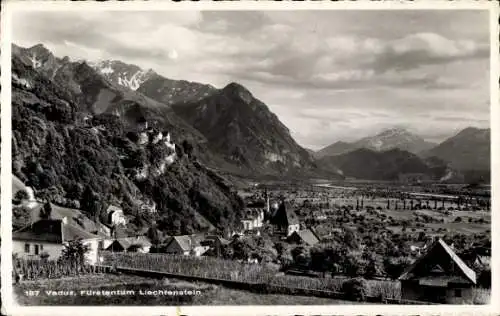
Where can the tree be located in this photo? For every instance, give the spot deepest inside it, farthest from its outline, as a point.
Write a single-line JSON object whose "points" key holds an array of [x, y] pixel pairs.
{"points": [[21, 195], [373, 268], [280, 248], [90, 203], [318, 260], [187, 147], [75, 251], [301, 256], [354, 265], [46, 211], [153, 235], [241, 249], [355, 289], [350, 239], [394, 267], [421, 236]]}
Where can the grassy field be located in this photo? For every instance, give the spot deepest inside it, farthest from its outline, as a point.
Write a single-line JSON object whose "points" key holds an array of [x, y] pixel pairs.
{"points": [[209, 294], [464, 226]]}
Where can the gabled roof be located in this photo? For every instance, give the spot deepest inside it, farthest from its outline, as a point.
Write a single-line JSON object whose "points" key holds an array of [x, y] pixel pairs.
{"points": [[307, 236], [139, 240], [43, 230], [463, 268], [73, 232], [284, 215], [127, 242], [52, 231], [186, 242], [124, 244], [222, 240], [74, 216]]}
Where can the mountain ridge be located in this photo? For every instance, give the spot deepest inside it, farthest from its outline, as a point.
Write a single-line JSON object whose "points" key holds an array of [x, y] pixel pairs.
{"points": [[386, 139], [63, 148], [469, 149], [390, 165]]}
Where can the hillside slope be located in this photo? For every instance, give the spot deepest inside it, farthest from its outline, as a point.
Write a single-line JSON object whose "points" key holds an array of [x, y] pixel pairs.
{"points": [[72, 151], [243, 130], [467, 150], [368, 164]]}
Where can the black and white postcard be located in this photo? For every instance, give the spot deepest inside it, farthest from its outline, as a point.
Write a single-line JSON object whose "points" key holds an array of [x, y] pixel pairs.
{"points": [[249, 158]]}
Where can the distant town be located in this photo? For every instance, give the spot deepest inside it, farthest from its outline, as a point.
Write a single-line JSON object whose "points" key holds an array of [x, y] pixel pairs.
{"points": [[412, 241]]}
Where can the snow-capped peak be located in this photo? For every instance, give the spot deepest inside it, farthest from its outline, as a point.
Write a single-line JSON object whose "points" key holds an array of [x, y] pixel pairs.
{"points": [[130, 76]]}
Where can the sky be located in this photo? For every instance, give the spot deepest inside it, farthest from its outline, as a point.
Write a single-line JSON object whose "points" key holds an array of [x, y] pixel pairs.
{"points": [[328, 75]]}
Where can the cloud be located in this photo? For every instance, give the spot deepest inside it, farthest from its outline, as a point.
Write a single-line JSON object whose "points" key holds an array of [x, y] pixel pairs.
{"points": [[328, 75], [420, 49]]}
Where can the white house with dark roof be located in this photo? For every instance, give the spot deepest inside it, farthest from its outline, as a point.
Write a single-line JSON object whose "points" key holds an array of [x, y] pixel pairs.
{"points": [[49, 236]]}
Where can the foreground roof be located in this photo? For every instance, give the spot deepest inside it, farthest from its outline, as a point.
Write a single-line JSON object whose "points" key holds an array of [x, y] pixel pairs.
{"points": [[52, 231], [439, 248]]}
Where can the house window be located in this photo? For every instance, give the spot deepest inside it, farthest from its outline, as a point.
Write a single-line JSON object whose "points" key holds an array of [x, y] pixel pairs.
{"points": [[458, 292], [37, 249], [41, 247], [27, 248]]}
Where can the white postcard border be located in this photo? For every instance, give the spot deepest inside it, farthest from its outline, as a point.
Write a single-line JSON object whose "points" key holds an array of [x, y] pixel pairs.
{"points": [[9, 306]]}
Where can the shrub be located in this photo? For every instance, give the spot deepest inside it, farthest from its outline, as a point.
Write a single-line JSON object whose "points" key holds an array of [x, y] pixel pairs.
{"points": [[21, 195], [75, 250], [481, 296], [355, 289]]}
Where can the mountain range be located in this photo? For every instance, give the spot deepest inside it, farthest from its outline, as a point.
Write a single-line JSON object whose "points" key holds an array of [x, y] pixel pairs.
{"points": [[234, 132], [364, 163], [81, 141], [385, 140]]}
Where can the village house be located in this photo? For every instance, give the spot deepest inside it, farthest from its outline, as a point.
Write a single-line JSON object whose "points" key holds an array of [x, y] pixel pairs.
{"points": [[303, 237], [418, 247], [319, 215], [128, 244], [148, 206], [439, 276], [284, 219], [48, 237], [186, 245], [115, 216], [72, 216], [253, 218]]}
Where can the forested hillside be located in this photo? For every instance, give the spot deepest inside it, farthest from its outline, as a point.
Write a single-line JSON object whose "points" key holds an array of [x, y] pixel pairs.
{"points": [[78, 157]]}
